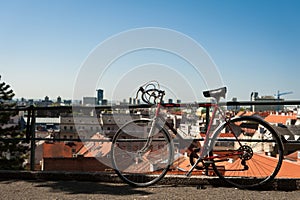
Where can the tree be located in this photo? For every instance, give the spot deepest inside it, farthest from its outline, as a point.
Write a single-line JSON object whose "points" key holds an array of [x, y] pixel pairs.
{"points": [[12, 150]]}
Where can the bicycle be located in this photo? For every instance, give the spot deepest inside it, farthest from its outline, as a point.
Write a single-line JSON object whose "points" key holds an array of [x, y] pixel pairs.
{"points": [[244, 151]]}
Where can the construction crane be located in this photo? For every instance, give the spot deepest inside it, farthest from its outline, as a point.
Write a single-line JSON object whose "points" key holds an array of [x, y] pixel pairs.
{"points": [[281, 94]]}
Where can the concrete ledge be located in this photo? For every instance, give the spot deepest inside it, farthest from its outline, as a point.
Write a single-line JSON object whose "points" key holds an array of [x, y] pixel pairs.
{"points": [[286, 184], [59, 175]]}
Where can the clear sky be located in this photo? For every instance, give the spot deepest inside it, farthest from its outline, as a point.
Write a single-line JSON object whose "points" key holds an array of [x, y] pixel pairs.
{"points": [[255, 44]]}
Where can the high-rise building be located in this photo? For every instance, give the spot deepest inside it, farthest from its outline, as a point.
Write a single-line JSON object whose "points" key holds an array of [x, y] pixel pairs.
{"points": [[100, 97]]}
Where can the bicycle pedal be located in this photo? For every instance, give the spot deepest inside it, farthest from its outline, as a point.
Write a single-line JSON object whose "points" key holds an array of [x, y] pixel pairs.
{"points": [[181, 169], [222, 160], [208, 162]]}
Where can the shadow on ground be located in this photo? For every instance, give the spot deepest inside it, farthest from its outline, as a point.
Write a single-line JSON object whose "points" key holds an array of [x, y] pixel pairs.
{"points": [[74, 187], [276, 185], [79, 187]]}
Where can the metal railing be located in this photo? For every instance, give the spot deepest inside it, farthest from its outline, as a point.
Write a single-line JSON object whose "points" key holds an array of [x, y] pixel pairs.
{"points": [[31, 114]]}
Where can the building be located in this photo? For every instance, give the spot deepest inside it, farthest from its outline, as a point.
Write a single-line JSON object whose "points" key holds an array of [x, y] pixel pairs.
{"points": [[111, 122], [58, 101], [89, 101], [100, 97], [48, 124], [262, 108], [78, 127], [63, 156], [235, 108]]}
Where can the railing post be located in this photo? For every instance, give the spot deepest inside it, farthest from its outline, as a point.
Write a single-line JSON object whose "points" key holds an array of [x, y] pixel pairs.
{"points": [[28, 127], [32, 140]]}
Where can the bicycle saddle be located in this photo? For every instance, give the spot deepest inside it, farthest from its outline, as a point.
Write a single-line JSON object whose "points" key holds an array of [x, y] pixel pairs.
{"points": [[216, 93]]}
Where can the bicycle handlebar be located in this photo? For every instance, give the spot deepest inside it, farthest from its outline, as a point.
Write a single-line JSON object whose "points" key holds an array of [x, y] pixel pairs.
{"points": [[151, 94]]}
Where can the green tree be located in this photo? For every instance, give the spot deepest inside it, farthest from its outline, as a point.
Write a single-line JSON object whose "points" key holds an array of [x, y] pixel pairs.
{"points": [[12, 151]]}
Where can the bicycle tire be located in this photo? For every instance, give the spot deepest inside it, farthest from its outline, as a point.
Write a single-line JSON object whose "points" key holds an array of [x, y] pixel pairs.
{"points": [[149, 168], [260, 152]]}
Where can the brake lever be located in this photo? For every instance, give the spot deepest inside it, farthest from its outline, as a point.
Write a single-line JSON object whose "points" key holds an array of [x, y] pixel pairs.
{"points": [[141, 89]]}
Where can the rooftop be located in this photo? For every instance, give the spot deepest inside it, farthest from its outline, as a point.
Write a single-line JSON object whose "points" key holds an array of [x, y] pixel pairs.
{"points": [[280, 119]]}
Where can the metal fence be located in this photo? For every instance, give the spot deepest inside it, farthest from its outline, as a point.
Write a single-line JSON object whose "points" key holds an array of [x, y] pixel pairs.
{"points": [[31, 114]]}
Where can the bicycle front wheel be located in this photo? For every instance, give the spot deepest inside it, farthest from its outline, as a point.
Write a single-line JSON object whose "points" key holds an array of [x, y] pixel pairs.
{"points": [[138, 158], [248, 152]]}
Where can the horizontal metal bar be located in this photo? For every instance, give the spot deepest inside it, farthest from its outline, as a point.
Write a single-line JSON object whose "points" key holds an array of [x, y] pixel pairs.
{"points": [[244, 140], [12, 139], [167, 105], [234, 140], [249, 103], [57, 140], [141, 140]]}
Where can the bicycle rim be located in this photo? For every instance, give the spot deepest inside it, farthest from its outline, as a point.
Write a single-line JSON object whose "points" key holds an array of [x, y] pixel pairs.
{"points": [[137, 163], [251, 160]]}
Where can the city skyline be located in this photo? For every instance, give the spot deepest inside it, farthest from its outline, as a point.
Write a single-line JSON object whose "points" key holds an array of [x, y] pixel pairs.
{"points": [[255, 45]]}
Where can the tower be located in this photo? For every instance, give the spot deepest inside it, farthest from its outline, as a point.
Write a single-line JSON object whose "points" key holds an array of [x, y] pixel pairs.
{"points": [[99, 96]]}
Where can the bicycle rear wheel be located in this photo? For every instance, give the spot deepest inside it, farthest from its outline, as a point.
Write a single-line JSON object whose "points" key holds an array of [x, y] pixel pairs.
{"points": [[252, 158], [138, 159]]}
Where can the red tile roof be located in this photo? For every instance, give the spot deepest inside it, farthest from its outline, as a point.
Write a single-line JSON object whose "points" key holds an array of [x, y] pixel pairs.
{"points": [[293, 157], [279, 118], [245, 113], [61, 149], [94, 149], [289, 169]]}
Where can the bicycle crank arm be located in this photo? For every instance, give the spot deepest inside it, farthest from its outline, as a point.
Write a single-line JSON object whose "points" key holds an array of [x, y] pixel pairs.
{"points": [[189, 173]]}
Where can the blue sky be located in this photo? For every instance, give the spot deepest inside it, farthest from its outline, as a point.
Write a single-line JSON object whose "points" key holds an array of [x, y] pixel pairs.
{"points": [[255, 44]]}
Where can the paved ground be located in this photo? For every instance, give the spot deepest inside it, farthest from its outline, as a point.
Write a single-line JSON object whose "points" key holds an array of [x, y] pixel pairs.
{"points": [[38, 189]]}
